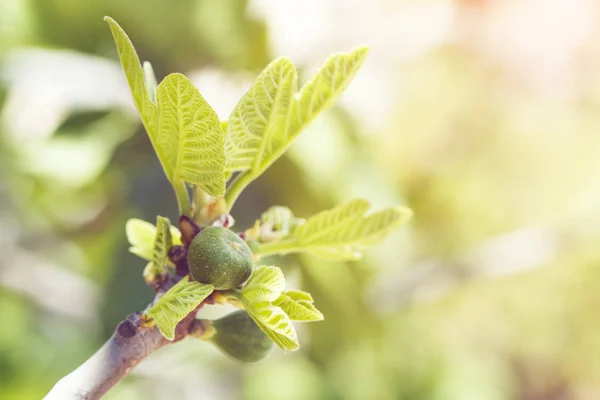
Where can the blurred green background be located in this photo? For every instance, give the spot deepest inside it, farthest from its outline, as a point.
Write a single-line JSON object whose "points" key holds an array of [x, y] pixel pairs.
{"points": [[482, 116]]}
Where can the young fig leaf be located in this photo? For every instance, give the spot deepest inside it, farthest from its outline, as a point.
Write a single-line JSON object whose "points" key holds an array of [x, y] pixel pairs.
{"points": [[137, 82], [340, 233], [150, 81], [162, 243], [177, 303], [323, 90], [190, 136], [141, 236], [271, 114], [298, 305], [265, 285], [274, 322], [257, 124]]}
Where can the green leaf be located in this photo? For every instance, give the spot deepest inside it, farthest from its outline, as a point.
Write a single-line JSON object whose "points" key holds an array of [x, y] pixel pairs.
{"points": [[341, 232], [177, 303], [135, 78], [265, 285], [162, 243], [190, 136], [298, 305], [299, 295], [140, 82], [257, 124], [272, 310], [270, 115], [141, 236], [150, 81], [323, 90], [274, 322]]}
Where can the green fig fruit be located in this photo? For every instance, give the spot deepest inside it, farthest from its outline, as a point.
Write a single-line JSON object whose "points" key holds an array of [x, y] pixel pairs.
{"points": [[239, 336], [220, 257]]}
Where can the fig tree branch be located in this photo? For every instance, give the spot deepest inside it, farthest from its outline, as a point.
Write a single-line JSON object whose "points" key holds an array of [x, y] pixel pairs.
{"points": [[132, 342]]}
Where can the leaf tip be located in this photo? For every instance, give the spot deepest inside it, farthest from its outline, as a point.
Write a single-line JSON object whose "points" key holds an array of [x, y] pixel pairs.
{"points": [[293, 349], [177, 75], [405, 213], [111, 22], [173, 78], [130, 224], [283, 60], [170, 336], [283, 64], [133, 225], [362, 50]]}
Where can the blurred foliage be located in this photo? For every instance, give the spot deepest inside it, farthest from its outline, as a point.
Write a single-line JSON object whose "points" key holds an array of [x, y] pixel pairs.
{"points": [[490, 294]]}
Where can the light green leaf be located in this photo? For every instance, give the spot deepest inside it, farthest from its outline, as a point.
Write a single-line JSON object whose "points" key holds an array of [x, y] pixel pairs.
{"points": [[322, 91], [141, 235], [162, 243], [265, 285], [299, 295], [190, 136], [271, 114], [272, 310], [177, 303], [274, 322], [298, 305], [150, 81], [139, 83], [258, 122], [341, 232], [135, 78]]}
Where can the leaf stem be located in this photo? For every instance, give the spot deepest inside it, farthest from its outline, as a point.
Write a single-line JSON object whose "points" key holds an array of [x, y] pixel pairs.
{"points": [[233, 297], [283, 247], [200, 199], [183, 198], [237, 187]]}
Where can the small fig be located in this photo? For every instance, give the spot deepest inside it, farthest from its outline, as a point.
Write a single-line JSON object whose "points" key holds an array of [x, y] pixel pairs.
{"points": [[239, 336], [220, 257]]}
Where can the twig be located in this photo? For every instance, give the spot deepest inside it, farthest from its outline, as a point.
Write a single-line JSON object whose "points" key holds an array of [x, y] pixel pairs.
{"points": [[132, 341]]}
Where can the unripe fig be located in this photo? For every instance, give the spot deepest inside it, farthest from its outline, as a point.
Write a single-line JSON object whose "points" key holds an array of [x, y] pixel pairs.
{"points": [[239, 336], [220, 257]]}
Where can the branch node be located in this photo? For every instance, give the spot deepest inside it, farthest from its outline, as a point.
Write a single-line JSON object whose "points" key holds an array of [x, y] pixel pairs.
{"points": [[126, 329]]}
